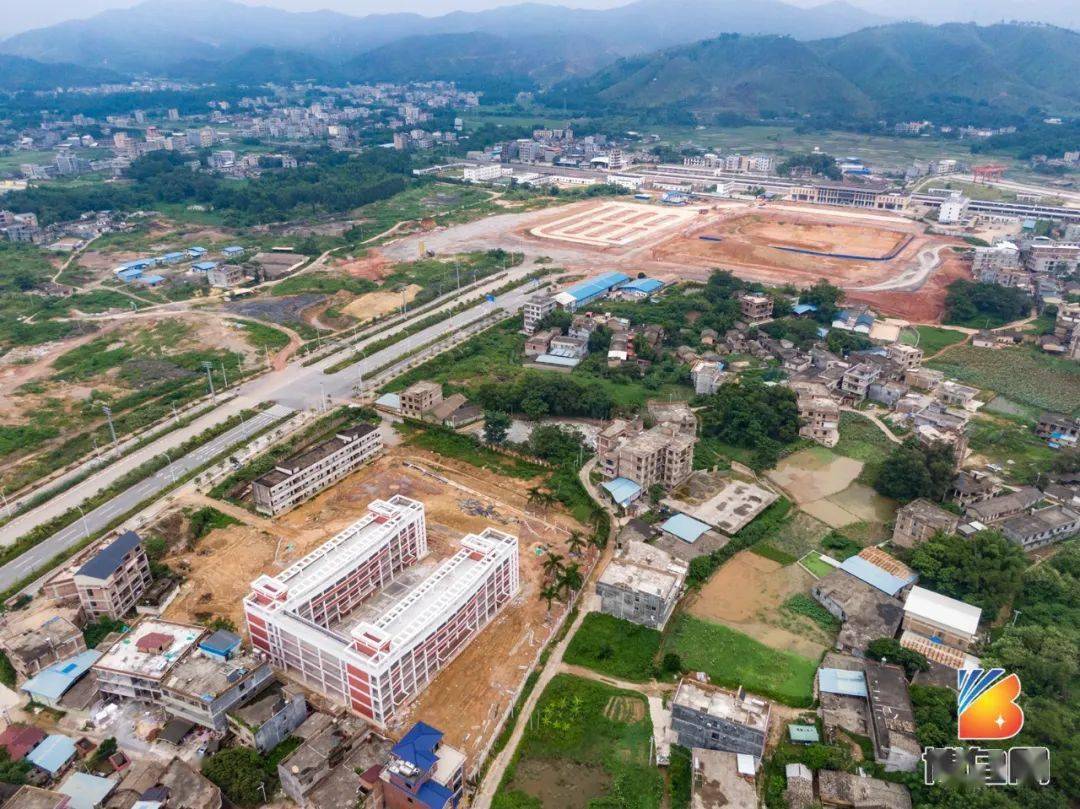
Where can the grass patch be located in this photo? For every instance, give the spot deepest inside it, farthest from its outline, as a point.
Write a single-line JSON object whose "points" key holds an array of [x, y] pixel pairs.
{"points": [[816, 565], [863, 440], [259, 335], [680, 777], [464, 448], [614, 647], [584, 734], [802, 604], [324, 283], [1013, 445], [1022, 373], [769, 552], [732, 659]]}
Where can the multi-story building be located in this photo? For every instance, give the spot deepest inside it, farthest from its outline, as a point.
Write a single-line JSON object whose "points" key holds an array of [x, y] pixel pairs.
{"points": [[337, 765], [1044, 255], [111, 582], [311, 621], [299, 477], [1041, 527], [642, 584], [907, 357], [536, 308], [953, 208], [707, 377], [852, 196], [1058, 428], [858, 379], [995, 509], [999, 264], [32, 649], [919, 520], [181, 668], [420, 397], [661, 455], [485, 173], [715, 719], [754, 307], [224, 276], [819, 413], [422, 771], [270, 718]]}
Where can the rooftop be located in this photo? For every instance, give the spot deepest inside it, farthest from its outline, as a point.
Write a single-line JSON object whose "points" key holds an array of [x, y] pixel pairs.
{"points": [[843, 682], [876, 575], [622, 490], [685, 528], [312, 455], [86, 791], [53, 753], [52, 681], [929, 513], [643, 568], [750, 711], [108, 559], [207, 677], [124, 656], [870, 613], [596, 285], [19, 740], [942, 610]]}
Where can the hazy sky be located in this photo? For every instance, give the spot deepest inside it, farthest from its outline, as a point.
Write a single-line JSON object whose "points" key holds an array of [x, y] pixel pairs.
{"points": [[20, 16]]}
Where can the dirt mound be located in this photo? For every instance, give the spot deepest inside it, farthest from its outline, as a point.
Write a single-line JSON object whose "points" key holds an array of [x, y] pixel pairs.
{"points": [[374, 266]]}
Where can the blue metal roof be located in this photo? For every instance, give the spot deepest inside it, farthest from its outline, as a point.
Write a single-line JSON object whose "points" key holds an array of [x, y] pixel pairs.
{"points": [[435, 795], [86, 791], [221, 642], [204, 266], [53, 681], [555, 359], [129, 275], [196, 251], [418, 746], [109, 558], [169, 256], [843, 682], [803, 733], [645, 285], [53, 753], [874, 576], [685, 528], [622, 490], [232, 250], [152, 280], [803, 308], [595, 286]]}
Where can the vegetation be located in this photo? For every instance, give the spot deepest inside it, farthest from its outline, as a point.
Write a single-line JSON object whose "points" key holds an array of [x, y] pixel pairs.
{"points": [[1022, 374], [912, 471], [986, 570], [979, 305], [7, 671], [13, 772], [931, 339], [732, 659], [586, 731], [96, 631], [890, 650], [615, 647], [243, 774], [755, 416], [765, 524], [864, 441], [817, 163], [802, 604]]}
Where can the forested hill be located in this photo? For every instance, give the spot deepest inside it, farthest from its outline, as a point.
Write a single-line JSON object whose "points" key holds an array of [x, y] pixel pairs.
{"points": [[959, 72]]}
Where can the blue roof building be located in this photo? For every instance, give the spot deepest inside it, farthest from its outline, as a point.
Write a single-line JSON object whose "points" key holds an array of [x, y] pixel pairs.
{"points": [[590, 289], [50, 684], [195, 252], [53, 754], [842, 682], [803, 734], [641, 287], [233, 250], [875, 576], [171, 258], [129, 275], [86, 791], [800, 309], [424, 771], [204, 266], [622, 490], [685, 528], [220, 645], [152, 280]]}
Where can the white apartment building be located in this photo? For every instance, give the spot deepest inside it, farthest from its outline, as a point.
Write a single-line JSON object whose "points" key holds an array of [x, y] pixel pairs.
{"points": [[485, 173], [952, 210], [320, 620], [536, 308]]}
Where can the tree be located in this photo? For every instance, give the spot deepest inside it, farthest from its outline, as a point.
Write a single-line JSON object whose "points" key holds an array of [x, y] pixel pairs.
{"points": [[913, 470], [671, 664], [986, 570], [241, 774], [496, 426], [974, 301], [890, 650], [553, 565], [571, 580], [826, 297], [13, 772], [574, 543], [534, 407], [549, 594]]}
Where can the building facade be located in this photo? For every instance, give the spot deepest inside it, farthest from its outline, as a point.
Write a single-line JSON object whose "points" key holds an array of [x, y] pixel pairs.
{"points": [[919, 520], [642, 585], [111, 582], [715, 719], [420, 397], [535, 309]]}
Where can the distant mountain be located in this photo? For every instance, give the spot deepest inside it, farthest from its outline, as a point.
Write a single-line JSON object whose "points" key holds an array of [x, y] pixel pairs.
{"points": [[18, 73], [1064, 13], [258, 66], [160, 33], [900, 70]]}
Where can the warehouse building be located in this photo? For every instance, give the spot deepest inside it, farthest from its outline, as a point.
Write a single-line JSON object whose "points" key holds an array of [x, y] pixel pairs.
{"points": [[590, 290], [305, 474], [940, 618], [313, 623]]}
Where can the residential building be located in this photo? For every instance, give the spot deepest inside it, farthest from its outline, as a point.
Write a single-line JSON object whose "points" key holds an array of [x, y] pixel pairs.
{"points": [[661, 455], [755, 308], [32, 649], [1041, 527], [849, 791], [174, 784], [1003, 506], [537, 344], [309, 622], [270, 718], [715, 719], [867, 613], [819, 414], [907, 357], [111, 582], [953, 209], [420, 397], [567, 346], [707, 377], [641, 584], [858, 379], [919, 520], [299, 477], [971, 486], [954, 394], [224, 276], [1044, 255], [940, 618], [51, 684], [720, 779], [1058, 429], [892, 718], [19, 740], [484, 174], [999, 264], [31, 797], [537, 306], [421, 770]]}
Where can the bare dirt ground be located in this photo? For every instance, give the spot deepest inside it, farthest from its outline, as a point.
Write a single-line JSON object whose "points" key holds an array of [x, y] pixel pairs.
{"points": [[374, 304], [746, 593], [824, 485], [613, 224], [374, 266], [469, 695]]}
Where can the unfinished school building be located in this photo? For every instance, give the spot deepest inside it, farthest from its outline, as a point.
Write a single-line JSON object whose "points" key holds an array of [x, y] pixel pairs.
{"points": [[313, 620]]}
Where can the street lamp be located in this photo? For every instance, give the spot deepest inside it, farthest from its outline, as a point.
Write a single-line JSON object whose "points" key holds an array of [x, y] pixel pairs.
{"points": [[108, 414], [172, 472], [209, 378], [85, 526]]}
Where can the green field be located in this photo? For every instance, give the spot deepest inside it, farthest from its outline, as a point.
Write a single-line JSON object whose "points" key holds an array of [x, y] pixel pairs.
{"points": [[1022, 374], [732, 659], [585, 742], [614, 647], [863, 440], [813, 563], [931, 339], [1013, 445]]}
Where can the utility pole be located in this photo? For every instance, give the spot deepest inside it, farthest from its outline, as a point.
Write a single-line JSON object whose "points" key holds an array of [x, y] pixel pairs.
{"points": [[209, 378], [85, 526], [108, 414], [176, 418], [225, 378], [172, 472]]}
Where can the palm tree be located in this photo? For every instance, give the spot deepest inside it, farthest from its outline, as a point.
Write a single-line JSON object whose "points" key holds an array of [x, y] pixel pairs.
{"points": [[540, 497], [553, 565], [574, 543], [549, 594], [571, 579]]}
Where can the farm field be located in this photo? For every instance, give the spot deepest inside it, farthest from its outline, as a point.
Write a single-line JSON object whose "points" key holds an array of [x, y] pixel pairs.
{"points": [[932, 339], [733, 659], [1013, 445], [614, 647], [1022, 374], [586, 741]]}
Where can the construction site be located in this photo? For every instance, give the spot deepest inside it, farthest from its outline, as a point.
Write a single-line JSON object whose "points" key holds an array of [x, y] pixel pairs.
{"points": [[614, 224], [467, 697]]}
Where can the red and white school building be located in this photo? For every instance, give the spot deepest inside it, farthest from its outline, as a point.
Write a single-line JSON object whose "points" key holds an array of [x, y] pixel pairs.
{"points": [[351, 621]]}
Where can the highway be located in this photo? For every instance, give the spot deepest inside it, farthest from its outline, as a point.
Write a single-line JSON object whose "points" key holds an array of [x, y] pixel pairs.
{"points": [[100, 517]]}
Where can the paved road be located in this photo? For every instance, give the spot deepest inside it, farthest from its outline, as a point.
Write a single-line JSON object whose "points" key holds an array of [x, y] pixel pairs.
{"points": [[106, 513]]}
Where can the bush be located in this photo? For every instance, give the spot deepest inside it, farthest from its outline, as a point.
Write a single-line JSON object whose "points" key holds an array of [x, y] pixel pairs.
{"points": [[890, 650]]}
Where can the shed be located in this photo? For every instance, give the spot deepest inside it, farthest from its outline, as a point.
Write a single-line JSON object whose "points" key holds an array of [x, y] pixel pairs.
{"points": [[685, 528], [943, 611], [622, 490], [175, 730], [643, 286], [867, 571], [843, 682], [803, 734], [204, 266], [86, 791], [220, 645], [389, 401], [53, 754], [52, 682], [232, 250], [19, 740], [196, 251], [152, 280]]}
